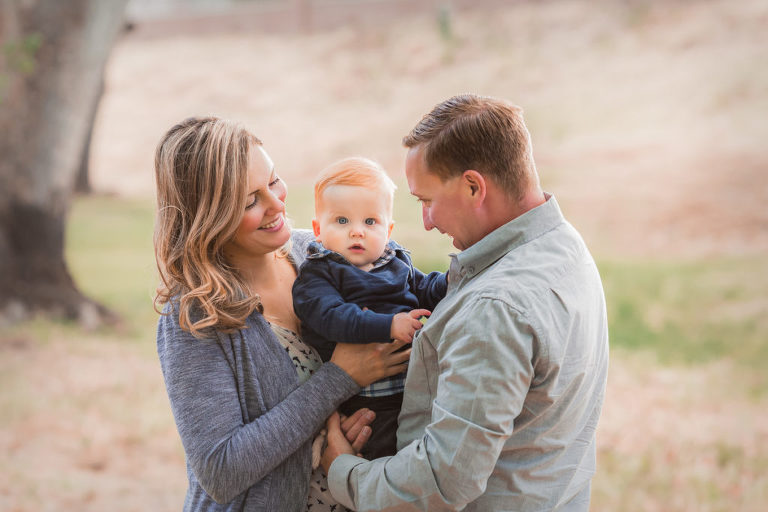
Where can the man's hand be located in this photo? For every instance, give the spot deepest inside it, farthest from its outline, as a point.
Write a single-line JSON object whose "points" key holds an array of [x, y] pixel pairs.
{"points": [[337, 442], [405, 325]]}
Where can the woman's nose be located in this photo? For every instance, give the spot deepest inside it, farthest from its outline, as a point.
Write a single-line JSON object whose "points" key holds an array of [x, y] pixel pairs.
{"points": [[277, 201]]}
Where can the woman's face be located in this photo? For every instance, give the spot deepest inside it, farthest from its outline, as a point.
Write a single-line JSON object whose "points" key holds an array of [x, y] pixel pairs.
{"points": [[263, 228]]}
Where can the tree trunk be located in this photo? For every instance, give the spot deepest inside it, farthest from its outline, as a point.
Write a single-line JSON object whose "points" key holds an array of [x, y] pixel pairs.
{"points": [[50, 74], [82, 178]]}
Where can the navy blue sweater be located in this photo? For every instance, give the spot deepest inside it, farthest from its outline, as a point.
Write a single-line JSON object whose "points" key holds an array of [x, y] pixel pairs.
{"points": [[330, 293]]}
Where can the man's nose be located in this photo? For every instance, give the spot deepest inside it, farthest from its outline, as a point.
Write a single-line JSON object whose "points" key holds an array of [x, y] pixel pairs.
{"points": [[426, 218]]}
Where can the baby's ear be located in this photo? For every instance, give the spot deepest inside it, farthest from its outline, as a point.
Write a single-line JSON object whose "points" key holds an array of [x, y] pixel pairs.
{"points": [[316, 228], [389, 231]]}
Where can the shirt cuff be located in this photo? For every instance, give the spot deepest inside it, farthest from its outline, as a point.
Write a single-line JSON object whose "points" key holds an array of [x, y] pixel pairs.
{"points": [[338, 476]]}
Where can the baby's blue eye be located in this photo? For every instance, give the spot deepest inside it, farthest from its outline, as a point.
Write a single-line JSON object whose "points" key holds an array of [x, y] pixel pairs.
{"points": [[370, 221], [342, 220]]}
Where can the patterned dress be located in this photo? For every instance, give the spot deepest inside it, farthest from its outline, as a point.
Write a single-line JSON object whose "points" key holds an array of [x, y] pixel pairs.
{"points": [[306, 361]]}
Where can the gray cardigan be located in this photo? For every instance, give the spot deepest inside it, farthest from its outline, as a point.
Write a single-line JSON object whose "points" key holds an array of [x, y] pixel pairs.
{"points": [[245, 422]]}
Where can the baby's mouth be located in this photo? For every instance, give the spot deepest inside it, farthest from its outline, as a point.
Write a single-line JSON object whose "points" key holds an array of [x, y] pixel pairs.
{"points": [[356, 248]]}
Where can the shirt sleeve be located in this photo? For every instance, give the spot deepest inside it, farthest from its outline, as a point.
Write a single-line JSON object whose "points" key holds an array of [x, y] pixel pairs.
{"points": [[227, 453], [484, 375], [320, 305]]}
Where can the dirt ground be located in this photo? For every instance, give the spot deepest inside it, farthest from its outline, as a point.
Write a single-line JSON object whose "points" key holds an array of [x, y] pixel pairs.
{"points": [[649, 124]]}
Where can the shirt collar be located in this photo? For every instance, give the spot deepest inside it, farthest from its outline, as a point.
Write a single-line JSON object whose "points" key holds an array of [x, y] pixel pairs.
{"points": [[520, 230]]}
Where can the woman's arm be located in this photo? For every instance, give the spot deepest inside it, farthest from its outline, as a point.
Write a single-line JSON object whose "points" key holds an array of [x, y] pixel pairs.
{"points": [[227, 454]]}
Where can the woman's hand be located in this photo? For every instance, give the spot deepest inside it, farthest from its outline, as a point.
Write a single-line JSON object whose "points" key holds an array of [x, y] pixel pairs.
{"points": [[369, 362]]}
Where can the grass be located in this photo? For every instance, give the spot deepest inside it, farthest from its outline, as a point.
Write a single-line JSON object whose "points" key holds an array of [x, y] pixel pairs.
{"points": [[690, 312], [109, 253]]}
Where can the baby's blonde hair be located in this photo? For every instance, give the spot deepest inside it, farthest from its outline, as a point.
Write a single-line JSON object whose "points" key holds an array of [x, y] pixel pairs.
{"points": [[355, 171]]}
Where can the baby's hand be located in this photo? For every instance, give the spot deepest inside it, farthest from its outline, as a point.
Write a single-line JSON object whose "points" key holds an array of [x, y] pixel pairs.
{"points": [[404, 325]]}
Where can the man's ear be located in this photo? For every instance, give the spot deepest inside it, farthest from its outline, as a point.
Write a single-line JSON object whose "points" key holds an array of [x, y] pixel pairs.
{"points": [[475, 185], [316, 229]]}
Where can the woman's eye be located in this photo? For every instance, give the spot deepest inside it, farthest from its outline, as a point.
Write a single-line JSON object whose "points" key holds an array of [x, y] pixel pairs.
{"points": [[275, 181], [252, 203], [370, 221], [342, 220]]}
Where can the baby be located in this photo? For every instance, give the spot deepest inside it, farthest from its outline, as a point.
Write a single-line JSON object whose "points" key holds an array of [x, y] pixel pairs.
{"points": [[358, 286]]}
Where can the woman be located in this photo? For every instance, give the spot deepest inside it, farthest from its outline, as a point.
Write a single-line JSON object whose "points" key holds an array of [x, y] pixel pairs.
{"points": [[246, 394]]}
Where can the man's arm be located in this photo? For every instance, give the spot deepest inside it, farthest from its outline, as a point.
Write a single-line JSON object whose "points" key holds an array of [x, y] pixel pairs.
{"points": [[485, 365], [319, 304]]}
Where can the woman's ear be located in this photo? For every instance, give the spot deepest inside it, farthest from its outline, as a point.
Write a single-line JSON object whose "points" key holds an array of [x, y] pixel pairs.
{"points": [[476, 186], [316, 229]]}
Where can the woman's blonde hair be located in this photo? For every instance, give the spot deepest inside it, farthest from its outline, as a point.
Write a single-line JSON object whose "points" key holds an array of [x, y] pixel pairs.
{"points": [[201, 169]]}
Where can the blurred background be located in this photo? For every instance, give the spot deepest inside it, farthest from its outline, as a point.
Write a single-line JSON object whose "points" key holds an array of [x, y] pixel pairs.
{"points": [[649, 121]]}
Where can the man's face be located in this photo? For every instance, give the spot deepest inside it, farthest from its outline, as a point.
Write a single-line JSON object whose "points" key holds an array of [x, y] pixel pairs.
{"points": [[443, 203]]}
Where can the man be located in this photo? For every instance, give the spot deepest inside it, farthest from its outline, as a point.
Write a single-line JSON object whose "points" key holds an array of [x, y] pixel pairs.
{"points": [[506, 380]]}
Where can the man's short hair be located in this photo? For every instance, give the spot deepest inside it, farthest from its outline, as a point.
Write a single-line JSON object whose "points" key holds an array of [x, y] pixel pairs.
{"points": [[355, 172], [481, 133]]}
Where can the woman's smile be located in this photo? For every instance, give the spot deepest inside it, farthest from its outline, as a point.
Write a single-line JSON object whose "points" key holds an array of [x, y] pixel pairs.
{"points": [[275, 225]]}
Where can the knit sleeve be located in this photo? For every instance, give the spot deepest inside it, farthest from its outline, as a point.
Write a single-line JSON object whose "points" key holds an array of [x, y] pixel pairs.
{"points": [[300, 240], [227, 453]]}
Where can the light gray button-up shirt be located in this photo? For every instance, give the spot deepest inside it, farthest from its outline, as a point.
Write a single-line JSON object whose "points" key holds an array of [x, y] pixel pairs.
{"points": [[505, 384]]}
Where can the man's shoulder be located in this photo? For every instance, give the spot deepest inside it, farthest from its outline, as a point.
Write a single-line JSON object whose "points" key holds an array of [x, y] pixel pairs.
{"points": [[533, 269]]}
